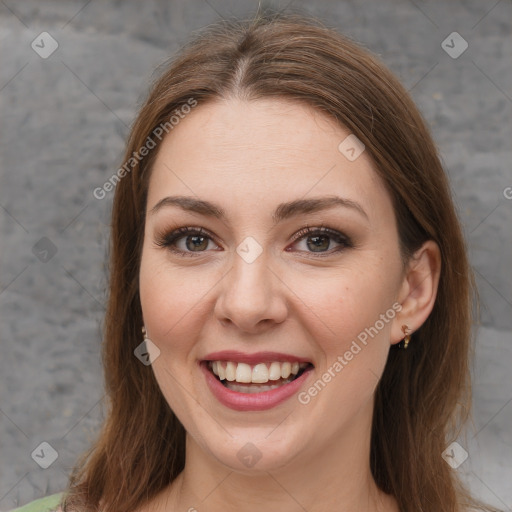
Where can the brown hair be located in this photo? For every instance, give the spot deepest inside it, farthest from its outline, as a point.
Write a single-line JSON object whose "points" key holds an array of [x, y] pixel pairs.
{"points": [[423, 395]]}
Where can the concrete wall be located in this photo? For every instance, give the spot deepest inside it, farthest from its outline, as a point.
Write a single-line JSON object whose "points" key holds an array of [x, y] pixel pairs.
{"points": [[63, 123]]}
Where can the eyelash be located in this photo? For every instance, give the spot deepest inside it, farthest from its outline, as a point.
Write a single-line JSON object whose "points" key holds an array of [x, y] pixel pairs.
{"points": [[168, 240]]}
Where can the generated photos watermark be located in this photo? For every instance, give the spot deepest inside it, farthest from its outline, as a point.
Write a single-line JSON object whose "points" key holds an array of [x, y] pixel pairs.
{"points": [[150, 143], [343, 360]]}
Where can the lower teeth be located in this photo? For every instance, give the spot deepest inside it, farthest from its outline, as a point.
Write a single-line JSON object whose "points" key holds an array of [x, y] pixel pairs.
{"points": [[256, 388]]}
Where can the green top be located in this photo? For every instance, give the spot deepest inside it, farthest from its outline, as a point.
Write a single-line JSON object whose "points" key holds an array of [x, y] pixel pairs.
{"points": [[47, 504]]}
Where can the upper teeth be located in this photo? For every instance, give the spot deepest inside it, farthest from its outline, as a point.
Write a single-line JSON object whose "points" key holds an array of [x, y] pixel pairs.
{"points": [[260, 373]]}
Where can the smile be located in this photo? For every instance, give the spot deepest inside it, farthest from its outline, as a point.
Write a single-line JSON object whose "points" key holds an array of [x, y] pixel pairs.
{"points": [[247, 386], [232, 374]]}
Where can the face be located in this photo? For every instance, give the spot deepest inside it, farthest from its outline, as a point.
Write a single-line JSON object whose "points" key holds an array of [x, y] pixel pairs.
{"points": [[267, 251]]}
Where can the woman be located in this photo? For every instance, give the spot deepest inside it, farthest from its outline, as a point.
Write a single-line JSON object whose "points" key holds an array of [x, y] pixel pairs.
{"points": [[289, 313]]}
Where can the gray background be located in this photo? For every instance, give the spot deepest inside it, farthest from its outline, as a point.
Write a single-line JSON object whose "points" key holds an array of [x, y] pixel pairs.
{"points": [[64, 120]]}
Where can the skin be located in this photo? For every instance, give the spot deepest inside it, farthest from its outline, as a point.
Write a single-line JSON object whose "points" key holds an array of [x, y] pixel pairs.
{"points": [[248, 157]]}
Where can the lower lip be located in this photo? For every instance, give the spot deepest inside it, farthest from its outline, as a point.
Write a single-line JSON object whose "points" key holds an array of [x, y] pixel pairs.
{"points": [[252, 401]]}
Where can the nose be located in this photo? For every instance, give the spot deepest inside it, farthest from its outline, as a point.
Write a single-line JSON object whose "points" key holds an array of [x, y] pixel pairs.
{"points": [[251, 297]]}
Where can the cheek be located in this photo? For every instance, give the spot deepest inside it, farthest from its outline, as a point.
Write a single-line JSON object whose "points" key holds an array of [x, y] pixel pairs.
{"points": [[352, 354], [169, 308], [174, 303], [344, 305]]}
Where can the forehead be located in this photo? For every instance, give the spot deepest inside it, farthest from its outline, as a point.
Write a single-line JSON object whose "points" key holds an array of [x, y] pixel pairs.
{"points": [[262, 152]]}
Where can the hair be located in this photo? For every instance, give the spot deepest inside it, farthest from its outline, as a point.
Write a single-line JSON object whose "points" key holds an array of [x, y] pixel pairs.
{"points": [[423, 396]]}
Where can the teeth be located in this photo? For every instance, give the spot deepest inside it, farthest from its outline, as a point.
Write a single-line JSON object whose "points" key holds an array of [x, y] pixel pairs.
{"points": [[243, 373], [274, 372], [286, 369], [258, 374], [248, 388], [221, 372], [230, 371]]}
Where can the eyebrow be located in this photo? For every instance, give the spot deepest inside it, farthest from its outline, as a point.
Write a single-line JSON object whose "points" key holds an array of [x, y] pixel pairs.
{"points": [[282, 212]]}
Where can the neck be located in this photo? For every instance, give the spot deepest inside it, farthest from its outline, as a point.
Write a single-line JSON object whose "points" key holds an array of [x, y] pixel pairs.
{"points": [[335, 477], [313, 487]]}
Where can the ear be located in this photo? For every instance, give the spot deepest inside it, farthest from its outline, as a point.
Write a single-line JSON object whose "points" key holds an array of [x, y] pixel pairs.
{"points": [[418, 291]]}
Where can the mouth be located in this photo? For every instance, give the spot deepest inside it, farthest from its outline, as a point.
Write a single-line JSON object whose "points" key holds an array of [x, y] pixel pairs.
{"points": [[241, 377], [254, 382]]}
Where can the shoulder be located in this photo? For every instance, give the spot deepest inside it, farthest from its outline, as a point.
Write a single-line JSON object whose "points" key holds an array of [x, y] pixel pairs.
{"points": [[46, 504]]}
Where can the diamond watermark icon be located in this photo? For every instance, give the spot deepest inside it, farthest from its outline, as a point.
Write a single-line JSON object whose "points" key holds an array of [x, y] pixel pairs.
{"points": [[45, 455], [454, 455], [44, 45], [249, 249], [249, 455], [147, 352], [351, 147], [44, 249], [454, 45]]}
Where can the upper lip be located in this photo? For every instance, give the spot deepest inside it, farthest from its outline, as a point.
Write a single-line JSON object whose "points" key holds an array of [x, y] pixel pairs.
{"points": [[257, 357]]}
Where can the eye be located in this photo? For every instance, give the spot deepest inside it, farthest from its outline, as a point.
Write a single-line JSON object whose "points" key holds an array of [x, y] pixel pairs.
{"points": [[187, 240], [321, 240]]}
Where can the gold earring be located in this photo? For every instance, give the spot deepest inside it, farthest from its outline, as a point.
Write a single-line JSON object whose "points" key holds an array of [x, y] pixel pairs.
{"points": [[407, 337], [144, 333]]}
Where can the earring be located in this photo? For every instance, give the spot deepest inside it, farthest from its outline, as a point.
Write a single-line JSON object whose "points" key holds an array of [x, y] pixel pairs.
{"points": [[407, 337], [144, 333]]}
